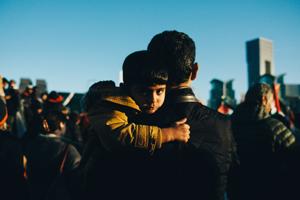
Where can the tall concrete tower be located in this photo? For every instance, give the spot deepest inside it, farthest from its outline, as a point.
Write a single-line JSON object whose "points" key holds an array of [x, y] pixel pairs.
{"points": [[259, 58], [24, 82]]}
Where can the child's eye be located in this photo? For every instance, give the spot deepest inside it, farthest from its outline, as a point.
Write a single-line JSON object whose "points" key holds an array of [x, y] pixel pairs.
{"points": [[160, 91]]}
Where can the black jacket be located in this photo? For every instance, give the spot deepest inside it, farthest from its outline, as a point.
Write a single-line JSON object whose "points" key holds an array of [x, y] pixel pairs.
{"points": [[264, 149], [200, 166], [44, 155], [12, 182]]}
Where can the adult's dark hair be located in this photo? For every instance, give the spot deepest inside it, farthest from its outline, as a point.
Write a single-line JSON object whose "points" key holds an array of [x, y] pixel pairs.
{"points": [[52, 121], [5, 80], [256, 93], [178, 52], [253, 108], [54, 102], [95, 93], [142, 68]]}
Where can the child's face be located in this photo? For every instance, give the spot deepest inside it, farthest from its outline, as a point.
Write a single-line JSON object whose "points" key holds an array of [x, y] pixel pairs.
{"points": [[149, 98]]}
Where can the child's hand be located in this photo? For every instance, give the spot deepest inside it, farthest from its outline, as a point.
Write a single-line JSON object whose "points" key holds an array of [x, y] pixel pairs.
{"points": [[179, 132], [182, 131]]}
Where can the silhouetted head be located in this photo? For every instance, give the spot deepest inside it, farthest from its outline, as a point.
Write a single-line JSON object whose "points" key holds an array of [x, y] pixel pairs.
{"points": [[54, 97], [95, 93], [44, 96], [177, 51], [54, 122], [142, 68], [259, 99], [5, 82], [28, 90], [54, 102], [12, 83]]}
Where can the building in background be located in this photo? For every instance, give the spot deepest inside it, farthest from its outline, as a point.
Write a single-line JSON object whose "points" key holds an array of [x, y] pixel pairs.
{"points": [[222, 93], [41, 86], [24, 82], [259, 53], [289, 93]]}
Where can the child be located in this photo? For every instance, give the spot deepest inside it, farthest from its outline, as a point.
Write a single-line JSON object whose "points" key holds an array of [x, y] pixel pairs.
{"points": [[143, 91], [116, 155]]}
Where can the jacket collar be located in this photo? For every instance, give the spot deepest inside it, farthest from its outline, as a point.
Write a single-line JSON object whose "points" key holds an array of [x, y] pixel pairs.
{"points": [[181, 95]]}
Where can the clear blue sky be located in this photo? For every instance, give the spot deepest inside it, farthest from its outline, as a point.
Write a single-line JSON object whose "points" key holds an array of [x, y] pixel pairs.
{"points": [[73, 43]]}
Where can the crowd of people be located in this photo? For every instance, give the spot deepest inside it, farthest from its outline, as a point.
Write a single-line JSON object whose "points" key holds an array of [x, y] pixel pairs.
{"points": [[150, 137]]}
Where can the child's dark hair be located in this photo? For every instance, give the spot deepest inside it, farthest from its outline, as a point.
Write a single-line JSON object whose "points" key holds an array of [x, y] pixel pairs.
{"points": [[142, 68]]}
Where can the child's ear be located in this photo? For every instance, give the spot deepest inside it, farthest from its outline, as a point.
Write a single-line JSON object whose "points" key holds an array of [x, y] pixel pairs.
{"points": [[194, 71]]}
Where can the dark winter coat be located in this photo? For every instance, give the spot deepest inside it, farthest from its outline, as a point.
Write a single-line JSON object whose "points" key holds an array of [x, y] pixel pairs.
{"points": [[44, 155], [263, 148], [200, 167], [114, 153], [12, 182]]}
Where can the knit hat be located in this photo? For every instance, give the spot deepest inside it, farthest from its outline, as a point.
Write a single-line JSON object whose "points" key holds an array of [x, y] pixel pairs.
{"points": [[53, 103], [54, 97], [3, 113]]}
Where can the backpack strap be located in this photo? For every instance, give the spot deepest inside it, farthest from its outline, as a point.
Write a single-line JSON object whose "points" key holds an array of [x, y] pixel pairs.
{"points": [[62, 164]]}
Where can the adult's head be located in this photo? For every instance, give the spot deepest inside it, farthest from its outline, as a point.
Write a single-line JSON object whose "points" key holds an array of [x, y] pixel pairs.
{"points": [[12, 84], [54, 97], [95, 93], [177, 50], [260, 97], [4, 82], [54, 102], [54, 122], [28, 91], [44, 96], [145, 78]]}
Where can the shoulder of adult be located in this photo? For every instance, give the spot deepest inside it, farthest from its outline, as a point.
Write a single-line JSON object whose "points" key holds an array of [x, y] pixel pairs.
{"points": [[272, 123], [281, 135], [213, 114], [73, 157], [217, 128]]}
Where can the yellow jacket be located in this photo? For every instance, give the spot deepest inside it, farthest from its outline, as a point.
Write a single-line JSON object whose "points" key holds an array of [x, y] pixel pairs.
{"points": [[110, 119]]}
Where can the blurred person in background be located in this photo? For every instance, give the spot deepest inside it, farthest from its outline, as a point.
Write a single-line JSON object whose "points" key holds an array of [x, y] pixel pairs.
{"points": [[264, 146]]}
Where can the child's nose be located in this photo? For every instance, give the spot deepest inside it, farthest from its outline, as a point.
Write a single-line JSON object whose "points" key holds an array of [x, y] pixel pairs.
{"points": [[152, 97]]}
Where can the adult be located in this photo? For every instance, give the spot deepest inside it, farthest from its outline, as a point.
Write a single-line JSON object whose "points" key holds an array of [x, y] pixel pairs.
{"points": [[12, 182], [13, 104], [118, 147], [48, 156], [203, 163], [264, 145]]}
